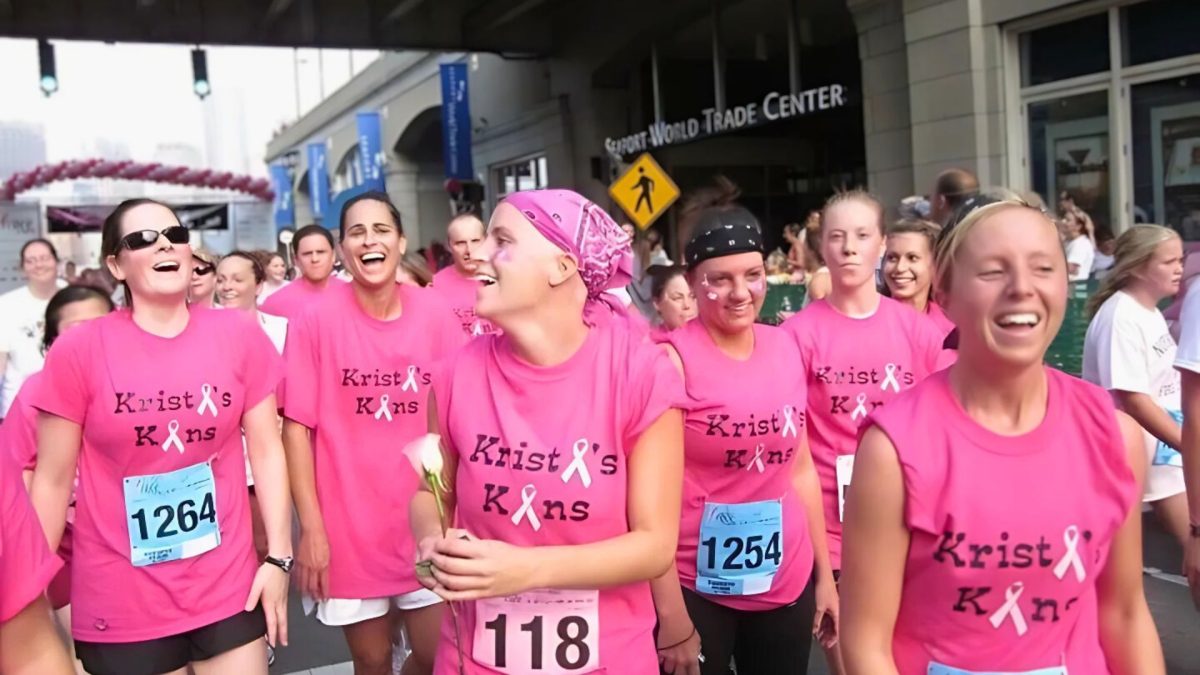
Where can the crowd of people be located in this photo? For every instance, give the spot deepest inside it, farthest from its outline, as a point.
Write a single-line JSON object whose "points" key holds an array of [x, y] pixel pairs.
{"points": [[563, 452]]}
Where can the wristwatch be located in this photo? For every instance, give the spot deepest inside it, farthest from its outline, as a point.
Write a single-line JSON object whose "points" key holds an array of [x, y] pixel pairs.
{"points": [[285, 564]]}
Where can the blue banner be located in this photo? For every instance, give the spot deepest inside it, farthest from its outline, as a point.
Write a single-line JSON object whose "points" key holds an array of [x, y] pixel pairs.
{"points": [[318, 180], [456, 122], [370, 151], [285, 207]]}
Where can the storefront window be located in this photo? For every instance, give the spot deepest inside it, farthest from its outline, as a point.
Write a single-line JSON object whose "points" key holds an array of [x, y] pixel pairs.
{"points": [[1069, 152], [1159, 30], [527, 174], [1166, 153], [1065, 50]]}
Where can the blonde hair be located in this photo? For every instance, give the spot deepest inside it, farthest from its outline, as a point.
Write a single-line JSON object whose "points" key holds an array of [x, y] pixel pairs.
{"points": [[1135, 247], [854, 195], [951, 238]]}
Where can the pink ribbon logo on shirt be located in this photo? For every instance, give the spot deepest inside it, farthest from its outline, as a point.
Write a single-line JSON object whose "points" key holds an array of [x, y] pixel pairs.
{"points": [[577, 465], [1010, 608], [173, 437], [1071, 558], [206, 403], [383, 408], [890, 379], [789, 424], [410, 384], [526, 511]]}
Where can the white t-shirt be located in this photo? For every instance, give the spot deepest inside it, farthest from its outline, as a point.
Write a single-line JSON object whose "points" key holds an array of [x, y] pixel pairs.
{"points": [[22, 318], [1129, 348], [268, 290], [1081, 251]]}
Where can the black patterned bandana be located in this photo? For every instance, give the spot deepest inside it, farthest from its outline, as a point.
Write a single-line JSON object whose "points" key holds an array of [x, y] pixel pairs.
{"points": [[722, 232]]}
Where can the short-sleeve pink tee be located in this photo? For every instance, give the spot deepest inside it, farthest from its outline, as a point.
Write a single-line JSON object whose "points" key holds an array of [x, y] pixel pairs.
{"points": [[293, 300], [533, 472], [19, 432], [459, 294], [362, 385], [1009, 533], [740, 445], [26, 564], [938, 316], [852, 366], [152, 406]]}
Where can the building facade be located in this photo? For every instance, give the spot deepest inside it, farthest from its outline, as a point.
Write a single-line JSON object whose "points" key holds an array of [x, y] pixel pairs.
{"points": [[793, 99]]}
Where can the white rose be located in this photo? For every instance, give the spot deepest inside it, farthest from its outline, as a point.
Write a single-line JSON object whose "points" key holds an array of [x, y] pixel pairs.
{"points": [[431, 454]]}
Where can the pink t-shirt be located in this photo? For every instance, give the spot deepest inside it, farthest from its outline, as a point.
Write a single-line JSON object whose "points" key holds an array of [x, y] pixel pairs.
{"points": [[537, 474], [459, 294], [852, 366], [1009, 533], [362, 385], [19, 432], [293, 300], [161, 455], [740, 445], [26, 564], [939, 318]]}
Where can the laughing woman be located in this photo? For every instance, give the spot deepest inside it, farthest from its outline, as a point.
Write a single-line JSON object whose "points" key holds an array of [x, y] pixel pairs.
{"points": [[994, 523], [359, 366], [150, 404], [564, 457]]}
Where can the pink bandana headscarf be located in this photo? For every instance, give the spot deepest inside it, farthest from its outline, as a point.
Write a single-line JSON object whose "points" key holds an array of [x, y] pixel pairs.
{"points": [[579, 227]]}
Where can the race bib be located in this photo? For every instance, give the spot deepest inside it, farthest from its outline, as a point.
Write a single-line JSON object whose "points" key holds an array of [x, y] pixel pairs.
{"points": [[544, 631], [1165, 455], [171, 516], [741, 546], [939, 669], [845, 471]]}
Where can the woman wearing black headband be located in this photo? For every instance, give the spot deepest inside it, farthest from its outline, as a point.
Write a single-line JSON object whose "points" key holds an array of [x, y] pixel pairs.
{"points": [[749, 582]]}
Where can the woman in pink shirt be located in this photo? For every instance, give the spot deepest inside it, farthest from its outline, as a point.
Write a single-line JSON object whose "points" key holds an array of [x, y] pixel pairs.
{"points": [[69, 307], [908, 268], [29, 643], [994, 523], [563, 454], [150, 405], [749, 582], [359, 365]]}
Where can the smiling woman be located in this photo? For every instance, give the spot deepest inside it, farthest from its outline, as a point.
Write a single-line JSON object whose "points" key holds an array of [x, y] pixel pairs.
{"points": [[359, 365], [22, 309], [180, 428], [940, 464]]}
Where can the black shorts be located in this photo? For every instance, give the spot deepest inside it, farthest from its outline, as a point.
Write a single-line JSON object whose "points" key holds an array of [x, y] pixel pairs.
{"points": [[768, 642], [167, 654]]}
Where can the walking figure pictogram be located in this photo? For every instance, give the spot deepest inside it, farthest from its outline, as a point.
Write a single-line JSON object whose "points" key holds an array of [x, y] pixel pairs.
{"points": [[646, 185]]}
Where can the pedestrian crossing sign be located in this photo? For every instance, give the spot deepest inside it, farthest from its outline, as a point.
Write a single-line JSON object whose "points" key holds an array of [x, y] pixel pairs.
{"points": [[644, 191]]}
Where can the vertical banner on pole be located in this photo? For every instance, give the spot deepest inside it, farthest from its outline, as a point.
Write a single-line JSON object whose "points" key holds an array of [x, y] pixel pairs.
{"points": [[456, 122], [285, 207], [370, 151], [318, 181]]}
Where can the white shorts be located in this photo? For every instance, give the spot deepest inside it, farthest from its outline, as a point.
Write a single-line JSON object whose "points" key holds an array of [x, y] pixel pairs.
{"points": [[341, 612], [1162, 480]]}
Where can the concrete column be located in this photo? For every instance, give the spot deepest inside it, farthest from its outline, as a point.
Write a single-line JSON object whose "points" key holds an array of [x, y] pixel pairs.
{"points": [[885, 96], [956, 90]]}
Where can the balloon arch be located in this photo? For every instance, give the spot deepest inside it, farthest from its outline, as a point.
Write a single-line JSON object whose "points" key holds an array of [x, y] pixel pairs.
{"points": [[152, 172]]}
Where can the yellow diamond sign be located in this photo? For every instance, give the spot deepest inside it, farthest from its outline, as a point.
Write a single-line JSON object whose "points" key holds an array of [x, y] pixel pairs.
{"points": [[644, 191]]}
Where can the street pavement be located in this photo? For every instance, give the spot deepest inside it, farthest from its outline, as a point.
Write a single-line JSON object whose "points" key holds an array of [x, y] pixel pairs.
{"points": [[323, 651]]}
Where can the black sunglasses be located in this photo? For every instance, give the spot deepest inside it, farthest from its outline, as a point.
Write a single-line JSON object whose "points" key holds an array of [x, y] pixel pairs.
{"points": [[202, 270], [136, 241]]}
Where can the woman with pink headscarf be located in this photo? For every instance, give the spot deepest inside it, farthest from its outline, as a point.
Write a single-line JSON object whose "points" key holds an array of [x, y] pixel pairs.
{"points": [[563, 457]]}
